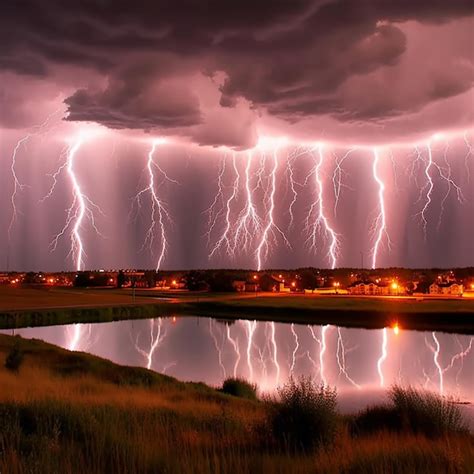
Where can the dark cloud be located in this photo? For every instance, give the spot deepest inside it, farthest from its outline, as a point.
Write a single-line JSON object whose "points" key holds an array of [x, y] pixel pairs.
{"points": [[293, 59], [138, 98]]}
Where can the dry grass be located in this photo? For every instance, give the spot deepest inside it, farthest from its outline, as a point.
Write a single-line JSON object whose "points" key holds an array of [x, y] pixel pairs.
{"points": [[58, 415]]}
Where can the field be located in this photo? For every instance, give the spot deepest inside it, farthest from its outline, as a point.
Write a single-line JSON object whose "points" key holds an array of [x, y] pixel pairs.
{"points": [[43, 306], [71, 412]]}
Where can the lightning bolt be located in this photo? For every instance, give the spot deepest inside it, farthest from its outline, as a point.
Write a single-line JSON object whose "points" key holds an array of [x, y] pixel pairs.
{"points": [[235, 345], [380, 224], [382, 357], [338, 175], [341, 358], [295, 350], [81, 207], [437, 363], [225, 239], [78, 337], [263, 246], [250, 329], [17, 185], [159, 213], [275, 353], [248, 222], [321, 221], [322, 351], [214, 211], [157, 336], [459, 356], [430, 186], [218, 348]]}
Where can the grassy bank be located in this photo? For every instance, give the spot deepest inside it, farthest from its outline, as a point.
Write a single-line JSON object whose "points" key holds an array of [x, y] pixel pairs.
{"points": [[429, 315], [73, 412], [21, 307]]}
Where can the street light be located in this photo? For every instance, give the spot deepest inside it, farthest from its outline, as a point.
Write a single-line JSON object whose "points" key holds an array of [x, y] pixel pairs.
{"points": [[255, 277]]}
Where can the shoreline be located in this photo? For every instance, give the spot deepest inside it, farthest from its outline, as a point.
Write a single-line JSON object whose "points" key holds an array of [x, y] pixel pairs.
{"points": [[461, 322]]}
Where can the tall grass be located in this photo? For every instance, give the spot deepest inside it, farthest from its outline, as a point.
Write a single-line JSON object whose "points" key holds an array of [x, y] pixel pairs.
{"points": [[426, 412]]}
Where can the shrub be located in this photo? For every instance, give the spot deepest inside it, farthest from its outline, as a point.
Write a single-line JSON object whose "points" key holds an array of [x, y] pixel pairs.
{"points": [[239, 388], [426, 412], [305, 417], [14, 358], [373, 419]]}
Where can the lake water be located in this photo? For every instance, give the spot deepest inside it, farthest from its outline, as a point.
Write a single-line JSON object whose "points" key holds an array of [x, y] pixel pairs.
{"points": [[361, 363]]}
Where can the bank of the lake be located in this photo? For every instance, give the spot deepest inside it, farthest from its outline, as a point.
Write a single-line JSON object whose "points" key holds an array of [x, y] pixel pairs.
{"points": [[72, 412], [449, 315]]}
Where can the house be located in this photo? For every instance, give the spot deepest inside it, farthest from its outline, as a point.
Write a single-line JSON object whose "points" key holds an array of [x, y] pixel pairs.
{"points": [[375, 289], [451, 289]]}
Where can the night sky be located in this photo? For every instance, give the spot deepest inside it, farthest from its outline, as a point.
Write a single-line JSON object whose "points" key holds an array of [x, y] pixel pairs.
{"points": [[87, 87]]}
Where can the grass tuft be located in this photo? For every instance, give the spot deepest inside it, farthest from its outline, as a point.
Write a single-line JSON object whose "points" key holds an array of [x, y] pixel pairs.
{"points": [[426, 412], [305, 417], [239, 387]]}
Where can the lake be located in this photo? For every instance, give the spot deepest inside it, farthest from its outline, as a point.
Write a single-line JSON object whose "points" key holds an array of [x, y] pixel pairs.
{"points": [[361, 363]]}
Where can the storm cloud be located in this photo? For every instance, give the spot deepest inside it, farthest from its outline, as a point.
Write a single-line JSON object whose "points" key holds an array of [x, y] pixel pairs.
{"points": [[332, 63]]}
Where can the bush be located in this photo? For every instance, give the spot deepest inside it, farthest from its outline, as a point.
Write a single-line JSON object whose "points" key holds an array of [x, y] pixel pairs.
{"points": [[14, 358], [240, 388], [305, 417], [373, 419], [426, 412]]}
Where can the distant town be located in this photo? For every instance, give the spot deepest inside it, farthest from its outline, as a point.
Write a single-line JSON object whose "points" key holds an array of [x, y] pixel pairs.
{"points": [[457, 282]]}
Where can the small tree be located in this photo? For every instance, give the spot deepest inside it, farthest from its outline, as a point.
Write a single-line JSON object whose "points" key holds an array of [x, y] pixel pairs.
{"points": [[14, 358]]}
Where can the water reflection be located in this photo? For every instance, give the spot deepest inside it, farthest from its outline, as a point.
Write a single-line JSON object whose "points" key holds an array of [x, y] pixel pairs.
{"points": [[208, 350]]}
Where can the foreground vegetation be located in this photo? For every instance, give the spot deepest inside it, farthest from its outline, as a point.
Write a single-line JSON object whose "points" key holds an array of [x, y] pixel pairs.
{"points": [[67, 412]]}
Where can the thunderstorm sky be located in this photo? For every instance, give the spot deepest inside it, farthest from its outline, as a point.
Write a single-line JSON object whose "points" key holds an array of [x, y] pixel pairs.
{"points": [[87, 87]]}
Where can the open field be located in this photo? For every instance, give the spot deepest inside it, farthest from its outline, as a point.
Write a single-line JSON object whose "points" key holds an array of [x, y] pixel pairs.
{"points": [[72, 412], [21, 307]]}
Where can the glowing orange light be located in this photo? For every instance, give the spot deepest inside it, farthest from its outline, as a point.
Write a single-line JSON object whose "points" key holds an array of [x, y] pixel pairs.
{"points": [[396, 329], [394, 286], [174, 282], [255, 277], [293, 284], [174, 319]]}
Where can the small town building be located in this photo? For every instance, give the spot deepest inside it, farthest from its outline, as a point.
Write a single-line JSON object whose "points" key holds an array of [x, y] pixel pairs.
{"points": [[450, 288]]}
